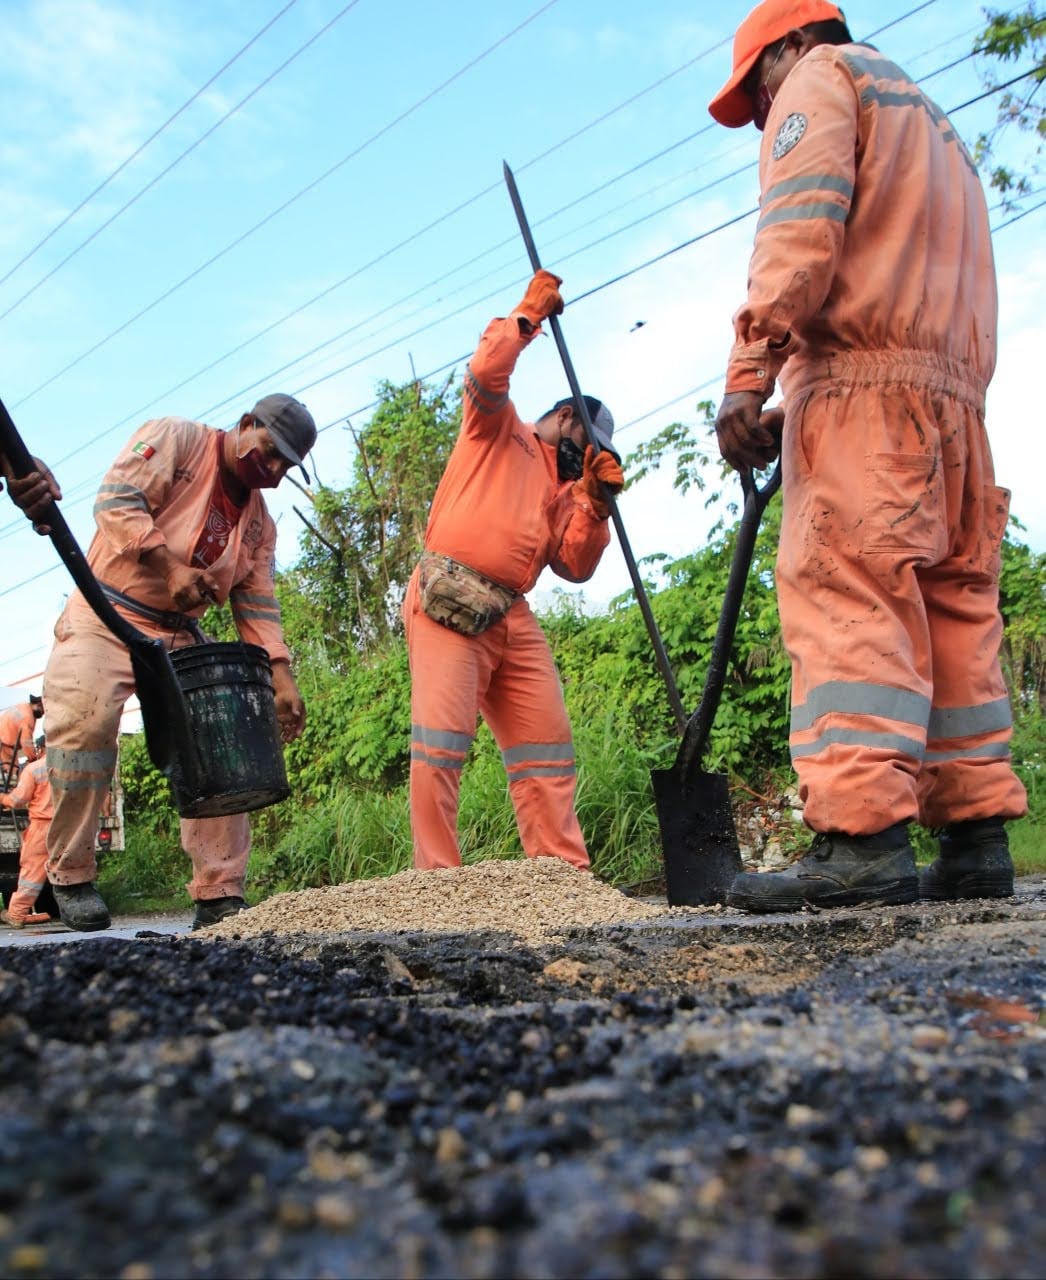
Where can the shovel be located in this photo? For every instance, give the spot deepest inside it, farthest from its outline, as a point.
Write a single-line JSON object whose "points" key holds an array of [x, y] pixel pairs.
{"points": [[675, 701], [165, 716], [698, 837]]}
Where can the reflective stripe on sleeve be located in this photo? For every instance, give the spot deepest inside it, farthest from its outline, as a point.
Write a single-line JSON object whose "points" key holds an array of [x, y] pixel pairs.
{"points": [[803, 213], [484, 401]]}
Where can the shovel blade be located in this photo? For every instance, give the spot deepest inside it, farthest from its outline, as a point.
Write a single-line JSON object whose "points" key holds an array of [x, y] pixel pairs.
{"points": [[698, 837]]}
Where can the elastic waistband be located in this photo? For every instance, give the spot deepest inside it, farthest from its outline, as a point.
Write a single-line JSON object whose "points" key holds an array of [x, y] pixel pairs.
{"points": [[927, 370], [169, 621]]}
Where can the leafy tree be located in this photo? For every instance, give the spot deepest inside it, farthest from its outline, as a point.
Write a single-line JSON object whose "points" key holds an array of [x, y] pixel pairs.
{"points": [[1022, 601], [1016, 38], [362, 542]]}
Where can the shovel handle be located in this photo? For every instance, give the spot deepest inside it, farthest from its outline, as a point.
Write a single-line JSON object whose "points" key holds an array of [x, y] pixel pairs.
{"points": [[699, 726], [675, 701]]}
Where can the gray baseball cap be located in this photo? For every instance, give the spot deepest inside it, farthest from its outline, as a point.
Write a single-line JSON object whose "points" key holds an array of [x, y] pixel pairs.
{"points": [[599, 415], [290, 424]]}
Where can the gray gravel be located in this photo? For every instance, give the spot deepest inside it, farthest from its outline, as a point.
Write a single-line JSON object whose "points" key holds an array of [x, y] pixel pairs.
{"points": [[834, 1094]]}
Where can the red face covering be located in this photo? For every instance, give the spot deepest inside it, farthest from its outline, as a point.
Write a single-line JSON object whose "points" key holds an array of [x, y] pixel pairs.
{"points": [[764, 99], [253, 472], [251, 468]]}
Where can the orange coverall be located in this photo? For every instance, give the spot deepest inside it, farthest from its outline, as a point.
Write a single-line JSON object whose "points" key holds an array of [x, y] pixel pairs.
{"points": [[33, 793], [156, 493], [872, 276], [18, 728], [501, 509]]}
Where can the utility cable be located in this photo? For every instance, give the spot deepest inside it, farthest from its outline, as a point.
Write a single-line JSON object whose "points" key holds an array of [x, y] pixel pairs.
{"points": [[493, 186], [282, 208], [615, 280], [136, 414], [150, 139], [164, 172]]}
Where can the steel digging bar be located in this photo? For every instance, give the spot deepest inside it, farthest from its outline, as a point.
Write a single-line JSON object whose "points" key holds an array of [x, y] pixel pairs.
{"points": [[661, 656], [165, 716]]}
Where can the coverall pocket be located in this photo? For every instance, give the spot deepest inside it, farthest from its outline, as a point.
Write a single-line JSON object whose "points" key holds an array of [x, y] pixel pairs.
{"points": [[903, 496], [993, 529]]}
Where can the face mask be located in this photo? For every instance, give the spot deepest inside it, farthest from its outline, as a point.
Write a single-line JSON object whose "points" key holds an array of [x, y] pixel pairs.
{"points": [[570, 460], [764, 99], [252, 471]]}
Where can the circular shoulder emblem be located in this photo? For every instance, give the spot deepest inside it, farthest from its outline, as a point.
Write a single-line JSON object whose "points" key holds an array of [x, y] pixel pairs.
{"points": [[789, 134]]}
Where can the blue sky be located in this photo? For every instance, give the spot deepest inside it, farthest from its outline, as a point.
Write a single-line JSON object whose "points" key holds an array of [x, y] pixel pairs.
{"points": [[325, 210]]}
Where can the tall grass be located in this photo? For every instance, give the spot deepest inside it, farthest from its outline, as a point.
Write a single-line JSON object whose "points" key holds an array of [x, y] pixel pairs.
{"points": [[360, 833], [149, 874]]}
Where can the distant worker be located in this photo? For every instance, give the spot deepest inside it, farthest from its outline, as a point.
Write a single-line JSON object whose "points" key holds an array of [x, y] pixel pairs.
{"points": [[18, 732], [872, 294], [514, 498], [34, 493], [33, 792], [181, 525]]}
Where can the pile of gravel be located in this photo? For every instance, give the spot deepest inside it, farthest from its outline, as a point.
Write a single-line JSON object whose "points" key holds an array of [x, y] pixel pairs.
{"points": [[531, 898]]}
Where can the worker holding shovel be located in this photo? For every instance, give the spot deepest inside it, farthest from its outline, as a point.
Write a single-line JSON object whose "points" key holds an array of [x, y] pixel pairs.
{"points": [[181, 524], [515, 497], [32, 493], [872, 295]]}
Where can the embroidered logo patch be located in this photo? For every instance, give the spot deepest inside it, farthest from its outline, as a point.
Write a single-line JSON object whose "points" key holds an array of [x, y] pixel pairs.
{"points": [[788, 135], [143, 450]]}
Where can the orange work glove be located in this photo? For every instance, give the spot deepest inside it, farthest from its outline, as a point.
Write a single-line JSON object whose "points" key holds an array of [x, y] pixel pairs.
{"points": [[602, 474], [542, 298]]}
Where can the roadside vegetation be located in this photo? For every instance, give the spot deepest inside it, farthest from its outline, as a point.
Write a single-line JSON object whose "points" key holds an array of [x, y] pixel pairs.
{"points": [[348, 814], [348, 818]]}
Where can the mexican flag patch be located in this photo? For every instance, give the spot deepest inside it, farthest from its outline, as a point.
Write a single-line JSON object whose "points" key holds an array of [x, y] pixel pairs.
{"points": [[143, 450]]}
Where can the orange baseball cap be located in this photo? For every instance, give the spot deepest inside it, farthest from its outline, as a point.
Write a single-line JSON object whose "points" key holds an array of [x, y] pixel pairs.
{"points": [[766, 23]]}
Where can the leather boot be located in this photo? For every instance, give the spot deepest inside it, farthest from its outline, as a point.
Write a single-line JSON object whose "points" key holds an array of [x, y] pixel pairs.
{"points": [[211, 910], [973, 862], [81, 907], [838, 871]]}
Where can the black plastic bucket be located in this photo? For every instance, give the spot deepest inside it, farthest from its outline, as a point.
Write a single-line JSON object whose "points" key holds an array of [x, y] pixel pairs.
{"points": [[228, 693]]}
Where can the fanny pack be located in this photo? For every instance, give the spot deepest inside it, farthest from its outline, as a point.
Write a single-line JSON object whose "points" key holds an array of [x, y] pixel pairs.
{"points": [[458, 597]]}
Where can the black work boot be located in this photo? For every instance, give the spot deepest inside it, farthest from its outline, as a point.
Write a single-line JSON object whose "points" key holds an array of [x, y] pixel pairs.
{"points": [[211, 910], [81, 907], [973, 862], [838, 871]]}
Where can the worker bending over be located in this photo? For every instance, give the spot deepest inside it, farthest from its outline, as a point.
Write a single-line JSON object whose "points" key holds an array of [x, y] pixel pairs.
{"points": [[32, 793], [181, 525]]}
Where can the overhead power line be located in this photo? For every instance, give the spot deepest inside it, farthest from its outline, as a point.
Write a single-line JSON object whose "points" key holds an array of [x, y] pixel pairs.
{"points": [[162, 174], [150, 139], [602, 186], [274, 213]]}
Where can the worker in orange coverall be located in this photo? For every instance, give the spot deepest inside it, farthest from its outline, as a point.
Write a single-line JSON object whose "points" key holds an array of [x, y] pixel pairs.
{"points": [[33, 793], [181, 524], [18, 729], [514, 497], [872, 295]]}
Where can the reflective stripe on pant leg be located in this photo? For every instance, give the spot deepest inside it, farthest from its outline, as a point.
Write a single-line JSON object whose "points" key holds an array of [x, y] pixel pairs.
{"points": [[526, 713], [446, 672], [219, 849], [87, 681], [32, 871], [967, 772], [863, 509]]}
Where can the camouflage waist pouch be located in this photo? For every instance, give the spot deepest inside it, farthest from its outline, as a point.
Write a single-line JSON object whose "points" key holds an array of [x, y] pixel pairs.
{"points": [[458, 597]]}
